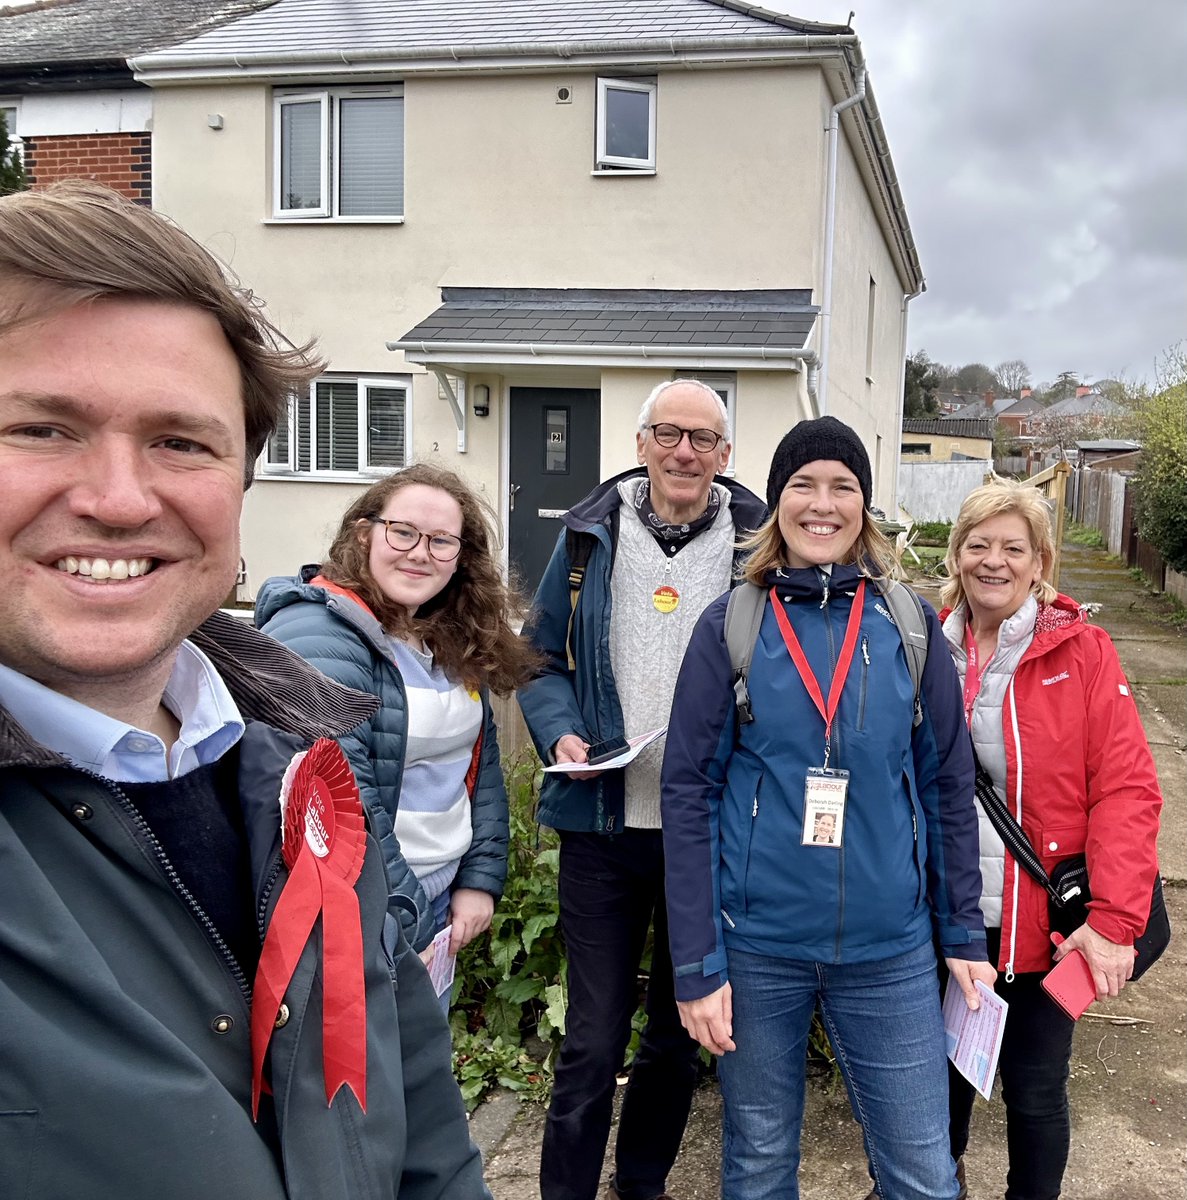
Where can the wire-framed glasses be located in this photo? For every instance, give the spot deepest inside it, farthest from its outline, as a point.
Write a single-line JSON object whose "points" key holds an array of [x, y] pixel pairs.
{"points": [[444, 547], [669, 436]]}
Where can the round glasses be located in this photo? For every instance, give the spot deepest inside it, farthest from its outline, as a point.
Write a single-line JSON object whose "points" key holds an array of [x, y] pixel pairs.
{"points": [[669, 436], [444, 547]]}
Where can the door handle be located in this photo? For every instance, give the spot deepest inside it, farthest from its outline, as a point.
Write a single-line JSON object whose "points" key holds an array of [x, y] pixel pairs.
{"points": [[511, 490]]}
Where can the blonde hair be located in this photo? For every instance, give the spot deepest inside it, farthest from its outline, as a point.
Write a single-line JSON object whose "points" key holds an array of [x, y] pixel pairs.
{"points": [[1000, 499], [872, 550]]}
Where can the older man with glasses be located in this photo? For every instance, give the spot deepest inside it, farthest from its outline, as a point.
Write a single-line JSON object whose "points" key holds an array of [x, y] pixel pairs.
{"points": [[640, 558]]}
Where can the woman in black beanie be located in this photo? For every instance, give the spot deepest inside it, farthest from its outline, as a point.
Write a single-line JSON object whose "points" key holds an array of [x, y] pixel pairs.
{"points": [[767, 917]]}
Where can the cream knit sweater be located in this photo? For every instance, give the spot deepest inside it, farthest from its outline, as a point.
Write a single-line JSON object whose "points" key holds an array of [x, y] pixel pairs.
{"points": [[646, 644]]}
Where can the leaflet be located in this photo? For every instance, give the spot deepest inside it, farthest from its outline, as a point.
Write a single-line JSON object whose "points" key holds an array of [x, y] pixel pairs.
{"points": [[974, 1039], [635, 747], [441, 963]]}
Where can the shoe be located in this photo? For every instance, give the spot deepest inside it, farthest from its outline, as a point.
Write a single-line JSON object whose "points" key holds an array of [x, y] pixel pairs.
{"points": [[963, 1194]]}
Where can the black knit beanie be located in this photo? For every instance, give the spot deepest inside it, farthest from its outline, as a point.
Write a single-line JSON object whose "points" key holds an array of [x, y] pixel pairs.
{"points": [[810, 441]]}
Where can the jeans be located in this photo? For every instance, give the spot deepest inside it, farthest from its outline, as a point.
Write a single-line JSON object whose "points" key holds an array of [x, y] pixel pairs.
{"points": [[1035, 1057], [610, 890], [883, 1020]]}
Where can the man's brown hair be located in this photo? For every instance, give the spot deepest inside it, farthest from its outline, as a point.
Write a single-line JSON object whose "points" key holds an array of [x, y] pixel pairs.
{"points": [[76, 242]]}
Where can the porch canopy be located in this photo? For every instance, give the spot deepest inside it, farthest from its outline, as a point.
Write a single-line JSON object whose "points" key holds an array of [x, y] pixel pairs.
{"points": [[477, 329]]}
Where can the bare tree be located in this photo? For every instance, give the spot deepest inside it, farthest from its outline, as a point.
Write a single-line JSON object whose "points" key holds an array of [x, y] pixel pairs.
{"points": [[1012, 376]]}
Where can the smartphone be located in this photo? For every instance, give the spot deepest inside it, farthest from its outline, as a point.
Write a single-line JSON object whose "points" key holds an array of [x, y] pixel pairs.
{"points": [[599, 752], [1069, 984]]}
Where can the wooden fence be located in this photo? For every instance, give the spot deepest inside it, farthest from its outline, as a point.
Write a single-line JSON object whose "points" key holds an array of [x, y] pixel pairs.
{"points": [[1103, 500]]}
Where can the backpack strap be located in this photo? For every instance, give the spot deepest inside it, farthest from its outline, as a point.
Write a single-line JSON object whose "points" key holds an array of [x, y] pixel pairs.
{"points": [[743, 616], [578, 548], [907, 611]]}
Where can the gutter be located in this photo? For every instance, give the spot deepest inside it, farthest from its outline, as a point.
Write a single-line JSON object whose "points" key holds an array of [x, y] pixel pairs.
{"points": [[184, 66], [833, 134], [777, 355]]}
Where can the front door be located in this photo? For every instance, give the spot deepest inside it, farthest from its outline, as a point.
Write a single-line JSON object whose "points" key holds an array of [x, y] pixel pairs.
{"points": [[554, 438]]}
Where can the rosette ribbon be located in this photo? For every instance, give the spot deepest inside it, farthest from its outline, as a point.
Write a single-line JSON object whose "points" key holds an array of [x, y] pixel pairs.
{"points": [[324, 841]]}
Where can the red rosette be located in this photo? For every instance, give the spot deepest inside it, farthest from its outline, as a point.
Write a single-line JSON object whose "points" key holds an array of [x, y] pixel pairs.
{"points": [[324, 843]]}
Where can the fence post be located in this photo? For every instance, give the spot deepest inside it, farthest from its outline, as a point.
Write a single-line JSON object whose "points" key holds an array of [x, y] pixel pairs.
{"points": [[1059, 490]]}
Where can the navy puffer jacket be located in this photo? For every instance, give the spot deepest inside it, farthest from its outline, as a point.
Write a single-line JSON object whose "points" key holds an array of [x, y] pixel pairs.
{"points": [[341, 637]]}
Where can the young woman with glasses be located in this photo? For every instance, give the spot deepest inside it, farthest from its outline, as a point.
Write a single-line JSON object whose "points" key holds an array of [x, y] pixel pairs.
{"points": [[412, 606]]}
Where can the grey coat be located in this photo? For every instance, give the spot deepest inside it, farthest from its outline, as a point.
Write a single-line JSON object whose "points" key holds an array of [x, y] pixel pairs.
{"points": [[125, 1026], [343, 640]]}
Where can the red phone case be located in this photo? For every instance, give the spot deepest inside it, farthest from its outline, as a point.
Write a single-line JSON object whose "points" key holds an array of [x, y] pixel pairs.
{"points": [[1069, 984]]}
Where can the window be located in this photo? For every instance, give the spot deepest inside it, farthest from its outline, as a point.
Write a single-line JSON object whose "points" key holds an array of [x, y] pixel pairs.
{"points": [[339, 154], [626, 125], [871, 308], [343, 426], [915, 448], [725, 384], [9, 112]]}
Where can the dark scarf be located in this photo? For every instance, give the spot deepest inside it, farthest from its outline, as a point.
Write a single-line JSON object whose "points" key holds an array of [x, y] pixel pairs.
{"points": [[673, 538]]}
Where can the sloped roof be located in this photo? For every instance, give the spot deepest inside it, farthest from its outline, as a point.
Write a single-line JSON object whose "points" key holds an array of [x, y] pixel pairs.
{"points": [[979, 408], [647, 322], [969, 427], [1022, 407], [310, 26], [1078, 406], [1109, 445], [61, 31]]}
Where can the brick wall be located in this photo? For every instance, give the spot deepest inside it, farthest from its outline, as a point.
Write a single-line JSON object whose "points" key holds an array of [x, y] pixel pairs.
{"points": [[123, 161]]}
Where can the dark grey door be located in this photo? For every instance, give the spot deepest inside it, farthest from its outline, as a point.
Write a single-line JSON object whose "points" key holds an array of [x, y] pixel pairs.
{"points": [[554, 462]]}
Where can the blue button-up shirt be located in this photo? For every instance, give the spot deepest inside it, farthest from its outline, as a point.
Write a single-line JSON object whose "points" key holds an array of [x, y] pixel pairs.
{"points": [[93, 741]]}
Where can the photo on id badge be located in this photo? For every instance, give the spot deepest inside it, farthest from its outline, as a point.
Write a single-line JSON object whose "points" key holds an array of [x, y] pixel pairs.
{"points": [[824, 807]]}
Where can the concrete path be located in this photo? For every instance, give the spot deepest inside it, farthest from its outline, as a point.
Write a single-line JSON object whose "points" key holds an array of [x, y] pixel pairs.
{"points": [[1129, 1066]]}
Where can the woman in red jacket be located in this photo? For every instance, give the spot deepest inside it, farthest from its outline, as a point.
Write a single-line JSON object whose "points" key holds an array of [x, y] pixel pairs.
{"points": [[1055, 725]]}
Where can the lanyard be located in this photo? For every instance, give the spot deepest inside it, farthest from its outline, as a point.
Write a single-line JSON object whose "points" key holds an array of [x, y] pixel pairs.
{"points": [[839, 675], [972, 675]]}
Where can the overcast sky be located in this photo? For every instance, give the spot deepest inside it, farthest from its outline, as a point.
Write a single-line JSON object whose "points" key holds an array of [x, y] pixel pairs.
{"points": [[1042, 152]]}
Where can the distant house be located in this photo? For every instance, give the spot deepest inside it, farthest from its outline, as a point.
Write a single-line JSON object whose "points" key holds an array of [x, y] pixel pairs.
{"points": [[933, 439], [988, 405], [951, 402], [68, 96], [1084, 416], [1015, 419], [508, 221]]}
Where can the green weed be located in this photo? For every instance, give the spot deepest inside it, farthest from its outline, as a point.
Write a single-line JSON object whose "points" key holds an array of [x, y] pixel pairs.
{"points": [[1083, 535]]}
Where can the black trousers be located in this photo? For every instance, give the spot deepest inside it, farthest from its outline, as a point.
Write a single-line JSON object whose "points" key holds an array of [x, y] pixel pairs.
{"points": [[1035, 1059], [611, 890]]}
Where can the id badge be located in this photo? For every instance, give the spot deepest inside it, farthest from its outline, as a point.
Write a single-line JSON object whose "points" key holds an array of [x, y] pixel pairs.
{"points": [[825, 792]]}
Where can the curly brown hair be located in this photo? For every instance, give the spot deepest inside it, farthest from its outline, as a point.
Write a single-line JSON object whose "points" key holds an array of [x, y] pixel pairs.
{"points": [[470, 624]]}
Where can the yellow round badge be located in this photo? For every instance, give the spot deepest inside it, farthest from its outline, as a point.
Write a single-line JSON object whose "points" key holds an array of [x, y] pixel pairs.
{"points": [[665, 599]]}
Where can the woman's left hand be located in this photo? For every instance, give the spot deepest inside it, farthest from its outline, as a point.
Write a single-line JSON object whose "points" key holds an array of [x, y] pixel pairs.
{"points": [[470, 911], [965, 974], [1110, 963]]}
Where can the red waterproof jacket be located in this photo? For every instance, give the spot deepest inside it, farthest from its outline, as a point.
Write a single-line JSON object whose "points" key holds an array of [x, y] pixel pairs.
{"points": [[1080, 779]]}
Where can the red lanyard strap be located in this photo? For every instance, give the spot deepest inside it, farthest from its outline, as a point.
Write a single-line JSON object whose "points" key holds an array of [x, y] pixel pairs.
{"points": [[972, 674], [801, 662]]}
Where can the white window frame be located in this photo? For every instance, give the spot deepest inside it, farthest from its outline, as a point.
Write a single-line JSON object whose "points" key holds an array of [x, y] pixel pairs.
{"points": [[290, 469], [13, 105], [727, 383], [329, 153], [604, 161]]}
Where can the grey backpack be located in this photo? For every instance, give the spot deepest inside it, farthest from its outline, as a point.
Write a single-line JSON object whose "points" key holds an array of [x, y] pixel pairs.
{"points": [[743, 616]]}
